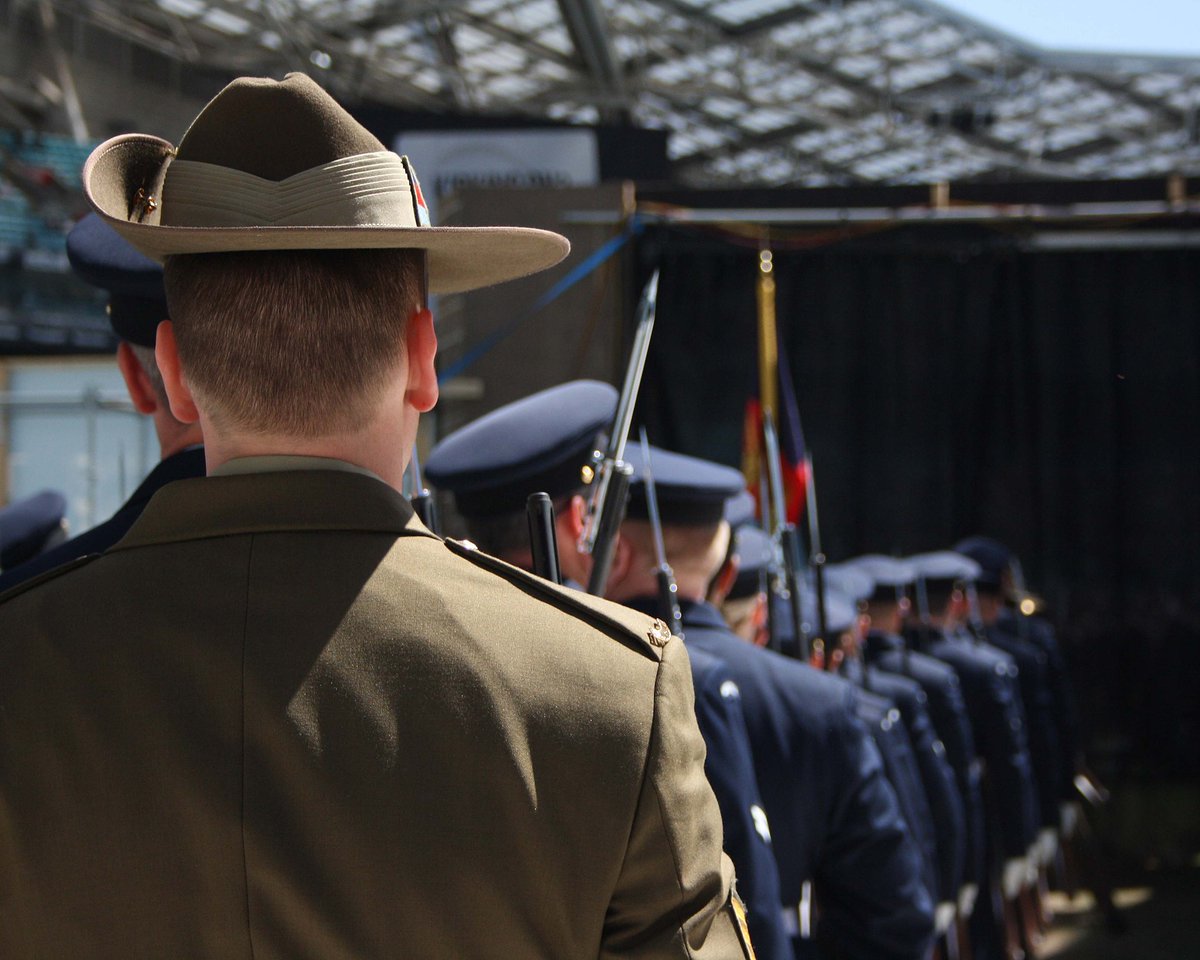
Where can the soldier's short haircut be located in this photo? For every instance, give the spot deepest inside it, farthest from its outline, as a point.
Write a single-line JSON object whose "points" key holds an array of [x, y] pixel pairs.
{"points": [[938, 594], [692, 549], [878, 609], [292, 342]]}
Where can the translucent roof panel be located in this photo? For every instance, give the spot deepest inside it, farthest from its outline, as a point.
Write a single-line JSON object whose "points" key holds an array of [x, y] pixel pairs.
{"points": [[754, 92], [183, 8]]}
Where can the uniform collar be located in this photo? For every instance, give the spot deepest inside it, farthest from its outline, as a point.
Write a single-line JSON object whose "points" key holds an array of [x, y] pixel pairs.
{"points": [[878, 642], [287, 463], [1007, 621], [700, 613], [187, 463], [298, 500], [648, 605], [696, 613]]}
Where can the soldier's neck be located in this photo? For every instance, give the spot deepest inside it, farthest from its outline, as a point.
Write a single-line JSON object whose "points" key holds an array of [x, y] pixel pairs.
{"points": [[382, 445]]}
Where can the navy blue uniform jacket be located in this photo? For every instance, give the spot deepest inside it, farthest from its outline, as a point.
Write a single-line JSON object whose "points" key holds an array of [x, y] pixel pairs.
{"points": [[180, 466], [834, 817], [1036, 697], [1062, 695], [948, 819], [948, 711], [882, 719], [993, 701], [729, 767]]}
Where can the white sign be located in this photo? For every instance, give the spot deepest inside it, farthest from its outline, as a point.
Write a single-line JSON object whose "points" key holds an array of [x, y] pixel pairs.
{"points": [[447, 160]]}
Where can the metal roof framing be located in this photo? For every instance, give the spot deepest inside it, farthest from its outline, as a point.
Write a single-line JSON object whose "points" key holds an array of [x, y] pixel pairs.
{"points": [[754, 92]]}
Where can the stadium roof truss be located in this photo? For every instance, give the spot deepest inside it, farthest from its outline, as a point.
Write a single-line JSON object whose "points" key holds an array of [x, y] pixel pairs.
{"points": [[754, 92]]}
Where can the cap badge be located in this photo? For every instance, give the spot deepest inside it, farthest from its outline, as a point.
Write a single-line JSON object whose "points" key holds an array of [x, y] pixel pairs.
{"points": [[658, 634], [143, 203]]}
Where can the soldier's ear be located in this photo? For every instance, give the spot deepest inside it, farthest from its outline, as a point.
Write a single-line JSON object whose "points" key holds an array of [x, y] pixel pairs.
{"points": [[722, 583], [622, 562], [421, 344], [179, 395], [575, 512], [137, 381], [760, 619]]}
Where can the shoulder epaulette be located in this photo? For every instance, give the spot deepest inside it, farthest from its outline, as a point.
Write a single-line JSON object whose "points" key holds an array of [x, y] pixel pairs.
{"points": [[17, 589], [651, 634]]}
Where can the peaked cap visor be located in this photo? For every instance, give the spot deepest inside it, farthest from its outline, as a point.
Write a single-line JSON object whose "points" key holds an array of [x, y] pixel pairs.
{"points": [[308, 178]]}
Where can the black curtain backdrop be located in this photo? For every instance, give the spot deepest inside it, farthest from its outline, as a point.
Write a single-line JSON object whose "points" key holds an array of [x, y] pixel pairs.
{"points": [[955, 381]]}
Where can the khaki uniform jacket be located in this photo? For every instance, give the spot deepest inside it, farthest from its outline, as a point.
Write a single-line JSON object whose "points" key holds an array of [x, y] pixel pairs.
{"points": [[280, 719]]}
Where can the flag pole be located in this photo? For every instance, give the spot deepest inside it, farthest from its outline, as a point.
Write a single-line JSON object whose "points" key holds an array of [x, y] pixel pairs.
{"points": [[768, 337], [785, 579]]}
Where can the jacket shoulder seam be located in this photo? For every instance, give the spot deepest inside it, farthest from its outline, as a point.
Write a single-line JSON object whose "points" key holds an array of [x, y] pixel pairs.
{"points": [[45, 576], [649, 635]]}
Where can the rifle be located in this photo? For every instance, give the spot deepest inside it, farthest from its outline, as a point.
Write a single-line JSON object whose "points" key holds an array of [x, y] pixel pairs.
{"points": [[785, 574], [816, 559], [543, 541], [419, 495], [668, 590], [610, 489]]}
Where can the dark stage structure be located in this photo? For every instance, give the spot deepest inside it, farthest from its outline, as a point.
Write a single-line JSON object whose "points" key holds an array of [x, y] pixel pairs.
{"points": [[1031, 372]]}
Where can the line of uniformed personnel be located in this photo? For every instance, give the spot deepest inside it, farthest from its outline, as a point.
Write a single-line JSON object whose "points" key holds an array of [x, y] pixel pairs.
{"points": [[889, 805], [295, 723]]}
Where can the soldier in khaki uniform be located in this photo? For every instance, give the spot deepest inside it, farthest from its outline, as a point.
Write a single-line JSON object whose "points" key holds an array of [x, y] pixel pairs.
{"points": [[280, 718]]}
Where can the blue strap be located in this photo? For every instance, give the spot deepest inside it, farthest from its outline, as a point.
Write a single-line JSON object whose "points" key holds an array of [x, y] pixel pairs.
{"points": [[572, 277]]}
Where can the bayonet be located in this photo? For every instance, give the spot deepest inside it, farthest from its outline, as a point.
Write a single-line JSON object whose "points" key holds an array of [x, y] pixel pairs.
{"points": [[610, 487]]}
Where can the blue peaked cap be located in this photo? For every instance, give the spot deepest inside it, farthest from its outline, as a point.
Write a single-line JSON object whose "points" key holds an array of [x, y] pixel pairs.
{"points": [[889, 574], [754, 553], [945, 565], [741, 510], [538, 443], [992, 556], [841, 610], [27, 524], [691, 491], [849, 580], [137, 300]]}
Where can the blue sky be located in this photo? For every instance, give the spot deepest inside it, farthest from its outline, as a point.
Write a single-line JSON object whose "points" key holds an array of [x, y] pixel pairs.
{"points": [[1123, 26]]}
